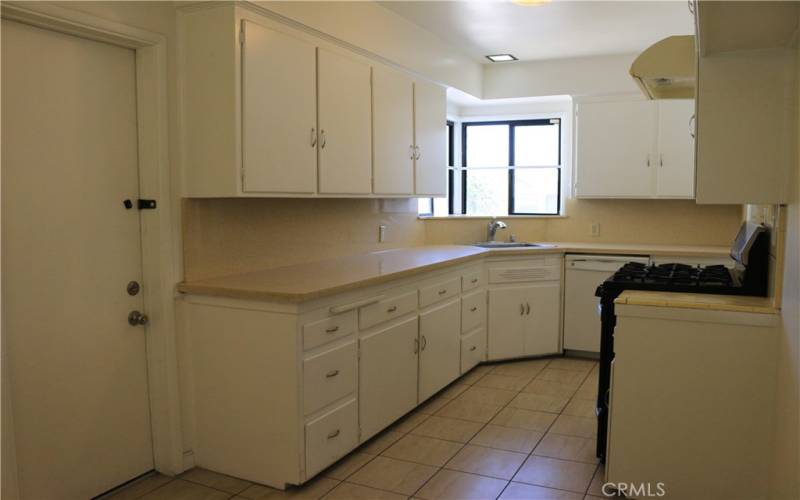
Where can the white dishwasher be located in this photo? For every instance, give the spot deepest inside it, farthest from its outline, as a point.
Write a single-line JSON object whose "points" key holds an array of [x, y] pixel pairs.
{"points": [[581, 308]]}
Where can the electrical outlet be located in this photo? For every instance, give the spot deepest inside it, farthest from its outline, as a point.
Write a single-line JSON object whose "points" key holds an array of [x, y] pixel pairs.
{"points": [[595, 229], [381, 233]]}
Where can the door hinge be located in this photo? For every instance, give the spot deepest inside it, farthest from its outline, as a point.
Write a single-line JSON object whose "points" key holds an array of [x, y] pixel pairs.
{"points": [[146, 204]]}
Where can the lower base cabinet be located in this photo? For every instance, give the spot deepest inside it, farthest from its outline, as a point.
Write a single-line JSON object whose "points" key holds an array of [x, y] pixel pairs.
{"points": [[473, 349], [440, 347], [388, 366], [331, 436]]}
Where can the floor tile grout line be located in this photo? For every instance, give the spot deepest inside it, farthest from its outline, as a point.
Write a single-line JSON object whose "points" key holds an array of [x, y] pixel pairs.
{"points": [[172, 479]]}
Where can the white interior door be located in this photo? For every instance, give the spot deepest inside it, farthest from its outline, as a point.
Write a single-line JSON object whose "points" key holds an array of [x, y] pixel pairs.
{"points": [[387, 376], [440, 347], [393, 131], [345, 125], [430, 134], [675, 178], [78, 369], [615, 150], [279, 112]]}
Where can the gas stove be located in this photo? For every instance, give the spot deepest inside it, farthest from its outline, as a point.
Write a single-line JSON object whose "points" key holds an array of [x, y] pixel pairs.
{"points": [[750, 252]]}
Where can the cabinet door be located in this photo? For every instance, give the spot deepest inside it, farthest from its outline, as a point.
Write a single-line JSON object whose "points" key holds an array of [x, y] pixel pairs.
{"points": [[345, 128], [675, 177], [542, 319], [393, 132], [615, 155], [387, 376], [430, 135], [279, 112], [506, 307], [440, 347]]}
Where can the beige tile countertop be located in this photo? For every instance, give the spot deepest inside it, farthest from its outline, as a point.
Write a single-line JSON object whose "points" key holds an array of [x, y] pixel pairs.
{"points": [[301, 282], [704, 301]]}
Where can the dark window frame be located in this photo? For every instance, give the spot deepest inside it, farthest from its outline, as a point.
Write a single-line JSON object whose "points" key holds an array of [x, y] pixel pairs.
{"points": [[512, 124]]}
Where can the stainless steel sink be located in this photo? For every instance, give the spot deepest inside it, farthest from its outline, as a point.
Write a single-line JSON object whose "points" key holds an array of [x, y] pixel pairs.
{"points": [[510, 244]]}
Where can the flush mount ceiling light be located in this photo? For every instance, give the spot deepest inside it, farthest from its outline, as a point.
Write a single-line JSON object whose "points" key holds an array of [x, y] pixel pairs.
{"points": [[501, 58], [530, 3]]}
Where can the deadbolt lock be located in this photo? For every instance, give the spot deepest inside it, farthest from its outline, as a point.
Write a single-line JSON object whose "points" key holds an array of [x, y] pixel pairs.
{"points": [[133, 287]]}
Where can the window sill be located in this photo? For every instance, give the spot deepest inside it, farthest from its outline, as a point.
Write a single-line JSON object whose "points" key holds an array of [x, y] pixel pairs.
{"points": [[489, 217]]}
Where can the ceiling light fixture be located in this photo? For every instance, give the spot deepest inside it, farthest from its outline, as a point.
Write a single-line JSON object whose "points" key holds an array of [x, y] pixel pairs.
{"points": [[530, 3], [501, 58]]}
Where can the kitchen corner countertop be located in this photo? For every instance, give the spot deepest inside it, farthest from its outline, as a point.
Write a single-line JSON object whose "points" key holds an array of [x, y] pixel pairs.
{"points": [[736, 303], [301, 282]]}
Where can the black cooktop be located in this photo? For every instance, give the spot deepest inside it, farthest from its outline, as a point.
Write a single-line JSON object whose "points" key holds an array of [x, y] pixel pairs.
{"points": [[672, 277]]}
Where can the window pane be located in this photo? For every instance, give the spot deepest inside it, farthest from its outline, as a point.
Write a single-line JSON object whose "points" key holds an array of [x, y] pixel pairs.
{"points": [[487, 192], [425, 206], [440, 207], [487, 146], [536, 145], [536, 191]]}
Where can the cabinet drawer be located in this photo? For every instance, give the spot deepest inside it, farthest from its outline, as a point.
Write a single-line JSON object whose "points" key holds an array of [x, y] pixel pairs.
{"points": [[473, 349], [440, 291], [472, 280], [330, 437], [473, 311], [387, 309], [328, 329], [329, 376]]}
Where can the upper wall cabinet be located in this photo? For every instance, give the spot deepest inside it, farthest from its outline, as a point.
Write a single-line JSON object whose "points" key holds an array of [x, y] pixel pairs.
{"points": [[746, 101], [634, 149], [268, 110]]}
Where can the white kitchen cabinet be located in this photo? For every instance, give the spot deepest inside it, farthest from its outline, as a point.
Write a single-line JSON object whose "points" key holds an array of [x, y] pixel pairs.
{"points": [[675, 172], [345, 124], [430, 138], [634, 149], [393, 131], [278, 80], [473, 349], [439, 347], [524, 307], [387, 375]]}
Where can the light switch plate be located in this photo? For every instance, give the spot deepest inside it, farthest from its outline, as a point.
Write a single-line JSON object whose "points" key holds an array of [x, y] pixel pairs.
{"points": [[595, 231], [381, 233]]}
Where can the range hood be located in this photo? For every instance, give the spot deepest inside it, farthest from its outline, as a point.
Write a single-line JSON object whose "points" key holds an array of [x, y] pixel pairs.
{"points": [[666, 70]]}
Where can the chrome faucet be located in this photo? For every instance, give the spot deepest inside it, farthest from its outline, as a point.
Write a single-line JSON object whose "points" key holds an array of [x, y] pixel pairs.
{"points": [[493, 227]]}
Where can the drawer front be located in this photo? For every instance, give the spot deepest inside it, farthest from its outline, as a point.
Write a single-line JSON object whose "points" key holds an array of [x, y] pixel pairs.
{"points": [[387, 309], [473, 311], [473, 349], [329, 376], [328, 329], [472, 280], [515, 274], [440, 291], [330, 437]]}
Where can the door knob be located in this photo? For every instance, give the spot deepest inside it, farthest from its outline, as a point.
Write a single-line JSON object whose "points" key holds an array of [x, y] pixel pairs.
{"points": [[136, 318]]}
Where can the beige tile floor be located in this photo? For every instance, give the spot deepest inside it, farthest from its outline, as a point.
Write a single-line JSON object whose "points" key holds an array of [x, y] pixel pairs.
{"points": [[512, 430]]}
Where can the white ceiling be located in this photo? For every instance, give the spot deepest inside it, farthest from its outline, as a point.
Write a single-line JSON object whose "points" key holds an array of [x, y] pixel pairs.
{"points": [[550, 31]]}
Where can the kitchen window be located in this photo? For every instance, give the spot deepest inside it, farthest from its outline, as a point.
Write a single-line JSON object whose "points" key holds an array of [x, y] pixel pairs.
{"points": [[508, 167]]}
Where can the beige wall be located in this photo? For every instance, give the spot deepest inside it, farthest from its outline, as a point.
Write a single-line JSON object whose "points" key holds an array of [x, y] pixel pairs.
{"points": [[674, 222], [225, 236], [786, 459]]}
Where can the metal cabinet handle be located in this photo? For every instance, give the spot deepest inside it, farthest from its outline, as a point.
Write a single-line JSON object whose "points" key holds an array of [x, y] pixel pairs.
{"points": [[333, 434], [391, 309], [660, 159], [473, 309], [419, 154], [521, 309], [527, 308], [424, 343], [313, 137], [691, 6], [136, 318], [332, 329], [416, 346], [473, 348], [474, 280], [648, 160], [411, 152], [332, 374], [322, 140], [692, 121], [443, 291]]}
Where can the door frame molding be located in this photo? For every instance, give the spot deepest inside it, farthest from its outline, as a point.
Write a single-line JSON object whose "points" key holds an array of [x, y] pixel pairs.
{"points": [[159, 259]]}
